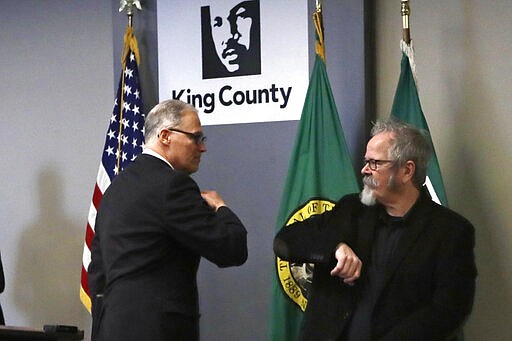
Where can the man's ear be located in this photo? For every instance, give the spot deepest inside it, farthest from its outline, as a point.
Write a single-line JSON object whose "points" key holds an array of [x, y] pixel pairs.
{"points": [[164, 136], [408, 170]]}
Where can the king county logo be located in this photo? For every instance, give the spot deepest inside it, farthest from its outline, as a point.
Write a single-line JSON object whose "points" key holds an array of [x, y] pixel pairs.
{"points": [[295, 278]]}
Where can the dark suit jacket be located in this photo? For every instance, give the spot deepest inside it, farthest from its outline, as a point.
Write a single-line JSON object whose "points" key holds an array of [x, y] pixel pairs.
{"points": [[151, 229], [429, 285]]}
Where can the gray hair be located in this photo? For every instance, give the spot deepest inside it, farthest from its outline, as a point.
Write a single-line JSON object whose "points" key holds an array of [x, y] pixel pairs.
{"points": [[166, 114], [408, 144]]}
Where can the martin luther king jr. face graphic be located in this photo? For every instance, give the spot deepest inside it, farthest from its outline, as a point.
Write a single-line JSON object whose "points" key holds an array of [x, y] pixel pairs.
{"points": [[234, 30]]}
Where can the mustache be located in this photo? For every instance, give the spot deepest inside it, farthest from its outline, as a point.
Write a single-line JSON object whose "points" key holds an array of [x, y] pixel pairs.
{"points": [[370, 181]]}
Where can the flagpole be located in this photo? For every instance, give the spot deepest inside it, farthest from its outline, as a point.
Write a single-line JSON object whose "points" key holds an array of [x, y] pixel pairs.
{"points": [[319, 27], [406, 11], [128, 144], [406, 43], [128, 6]]}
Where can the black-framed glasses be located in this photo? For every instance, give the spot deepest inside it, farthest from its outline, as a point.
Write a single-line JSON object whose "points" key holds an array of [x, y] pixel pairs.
{"points": [[198, 138], [374, 164]]}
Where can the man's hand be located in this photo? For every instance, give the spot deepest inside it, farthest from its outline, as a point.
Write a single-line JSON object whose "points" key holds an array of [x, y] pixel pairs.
{"points": [[349, 265], [213, 199]]}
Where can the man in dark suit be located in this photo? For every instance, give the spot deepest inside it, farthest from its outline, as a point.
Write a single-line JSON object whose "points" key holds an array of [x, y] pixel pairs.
{"points": [[390, 264], [153, 226], [2, 287]]}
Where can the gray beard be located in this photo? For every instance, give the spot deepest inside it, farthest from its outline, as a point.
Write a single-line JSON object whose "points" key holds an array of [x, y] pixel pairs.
{"points": [[367, 198], [367, 194]]}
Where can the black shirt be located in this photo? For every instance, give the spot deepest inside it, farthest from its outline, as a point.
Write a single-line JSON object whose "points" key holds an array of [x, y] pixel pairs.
{"points": [[387, 234]]}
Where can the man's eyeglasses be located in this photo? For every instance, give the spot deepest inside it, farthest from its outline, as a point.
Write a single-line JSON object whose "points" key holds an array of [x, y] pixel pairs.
{"points": [[374, 164], [198, 138]]}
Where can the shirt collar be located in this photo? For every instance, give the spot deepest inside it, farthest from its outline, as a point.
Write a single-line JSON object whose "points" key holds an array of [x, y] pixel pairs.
{"points": [[151, 152], [384, 217]]}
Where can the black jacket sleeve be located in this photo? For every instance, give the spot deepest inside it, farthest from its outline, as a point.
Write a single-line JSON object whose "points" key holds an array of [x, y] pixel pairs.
{"points": [[314, 240]]}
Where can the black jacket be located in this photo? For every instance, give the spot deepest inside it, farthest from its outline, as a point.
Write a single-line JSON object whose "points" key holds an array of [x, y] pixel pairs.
{"points": [[429, 285], [152, 228]]}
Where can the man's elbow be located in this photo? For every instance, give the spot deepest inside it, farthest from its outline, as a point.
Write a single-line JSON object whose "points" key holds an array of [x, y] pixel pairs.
{"points": [[281, 249], [238, 256]]}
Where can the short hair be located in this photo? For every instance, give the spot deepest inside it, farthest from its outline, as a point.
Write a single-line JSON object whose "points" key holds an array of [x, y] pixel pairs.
{"points": [[166, 114], [408, 144]]}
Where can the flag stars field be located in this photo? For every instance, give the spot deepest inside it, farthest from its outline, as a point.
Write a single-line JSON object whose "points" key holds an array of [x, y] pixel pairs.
{"points": [[128, 73]]}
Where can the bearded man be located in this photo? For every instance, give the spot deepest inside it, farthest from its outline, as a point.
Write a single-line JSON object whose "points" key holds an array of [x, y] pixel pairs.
{"points": [[390, 264]]}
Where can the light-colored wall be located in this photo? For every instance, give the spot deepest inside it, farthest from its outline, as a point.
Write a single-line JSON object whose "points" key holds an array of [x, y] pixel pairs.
{"points": [[56, 88], [464, 67]]}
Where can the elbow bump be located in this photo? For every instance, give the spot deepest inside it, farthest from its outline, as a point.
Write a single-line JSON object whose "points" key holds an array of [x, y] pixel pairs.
{"points": [[281, 249]]}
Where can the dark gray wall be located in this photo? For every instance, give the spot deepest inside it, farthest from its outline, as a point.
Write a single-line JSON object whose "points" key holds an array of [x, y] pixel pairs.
{"points": [[247, 165]]}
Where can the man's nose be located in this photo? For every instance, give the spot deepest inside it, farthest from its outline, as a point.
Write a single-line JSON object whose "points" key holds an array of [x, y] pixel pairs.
{"points": [[366, 169]]}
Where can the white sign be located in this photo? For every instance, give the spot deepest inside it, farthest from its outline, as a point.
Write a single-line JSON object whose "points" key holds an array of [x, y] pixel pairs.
{"points": [[235, 61]]}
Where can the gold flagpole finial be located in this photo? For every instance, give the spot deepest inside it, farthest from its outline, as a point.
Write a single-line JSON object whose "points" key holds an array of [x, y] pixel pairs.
{"points": [[128, 6], [406, 11], [319, 27]]}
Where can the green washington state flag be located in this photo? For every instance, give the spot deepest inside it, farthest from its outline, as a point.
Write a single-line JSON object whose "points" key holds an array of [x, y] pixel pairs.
{"points": [[407, 107], [320, 172]]}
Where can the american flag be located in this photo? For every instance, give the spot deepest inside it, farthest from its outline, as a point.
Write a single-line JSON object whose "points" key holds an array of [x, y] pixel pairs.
{"points": [[124, 140]]}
